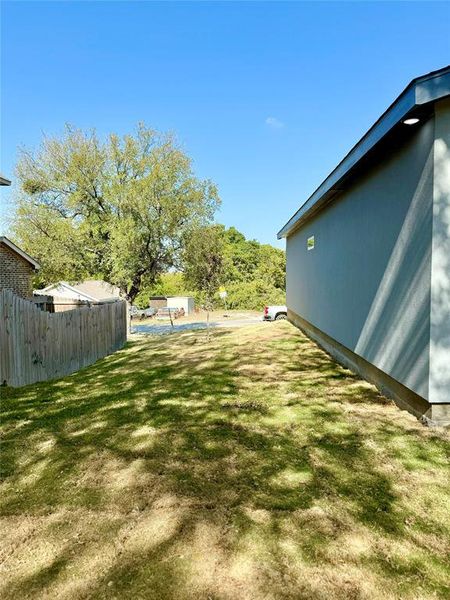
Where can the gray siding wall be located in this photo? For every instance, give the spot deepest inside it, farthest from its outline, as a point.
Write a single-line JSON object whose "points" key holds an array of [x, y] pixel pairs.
{"points": [[440, 276], [367, 283]]}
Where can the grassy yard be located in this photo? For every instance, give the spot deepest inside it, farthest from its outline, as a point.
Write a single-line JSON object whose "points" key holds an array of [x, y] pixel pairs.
{"points": [[250, 468]]}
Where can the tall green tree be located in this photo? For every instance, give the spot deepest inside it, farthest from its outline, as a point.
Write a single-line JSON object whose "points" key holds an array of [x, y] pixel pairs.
{"points": [[254, 273], [204, 262], [122, 209]]}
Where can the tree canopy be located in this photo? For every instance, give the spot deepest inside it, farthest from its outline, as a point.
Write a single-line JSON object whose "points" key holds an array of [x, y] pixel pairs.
{"points": [[204, 262], [253, 275], [120, 209], [131, 211]]}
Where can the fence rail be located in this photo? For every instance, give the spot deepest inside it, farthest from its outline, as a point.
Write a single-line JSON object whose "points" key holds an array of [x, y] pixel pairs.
{"points": [[37, 345]]}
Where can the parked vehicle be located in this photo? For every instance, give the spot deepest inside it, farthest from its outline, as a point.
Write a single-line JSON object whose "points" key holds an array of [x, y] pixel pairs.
{"points": [[167, 312], [275, 313], [142, 313]]}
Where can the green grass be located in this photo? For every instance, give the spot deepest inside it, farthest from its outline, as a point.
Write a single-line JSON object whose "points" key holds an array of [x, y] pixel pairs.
{"points": [[252, 467]]}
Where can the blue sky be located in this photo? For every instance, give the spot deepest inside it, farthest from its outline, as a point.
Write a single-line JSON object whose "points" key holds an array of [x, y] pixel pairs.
{"points": [[265, 97]]}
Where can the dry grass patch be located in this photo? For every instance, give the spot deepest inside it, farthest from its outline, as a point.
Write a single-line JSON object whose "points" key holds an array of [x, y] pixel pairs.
{"points": [[252, 467]]}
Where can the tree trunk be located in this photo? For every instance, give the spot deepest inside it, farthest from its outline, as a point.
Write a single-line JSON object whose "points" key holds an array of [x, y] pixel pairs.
{"points": [[132, 293], [135, 288]]}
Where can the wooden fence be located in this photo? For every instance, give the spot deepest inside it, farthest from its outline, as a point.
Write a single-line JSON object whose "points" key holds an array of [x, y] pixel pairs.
{"points": [[37, 345]]}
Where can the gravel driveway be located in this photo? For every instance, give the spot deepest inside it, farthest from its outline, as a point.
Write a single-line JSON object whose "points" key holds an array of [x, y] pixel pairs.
{"points": [[163, 328]]}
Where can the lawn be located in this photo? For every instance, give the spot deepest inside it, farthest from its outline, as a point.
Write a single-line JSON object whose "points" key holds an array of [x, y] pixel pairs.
{"points": [[252, 467]]}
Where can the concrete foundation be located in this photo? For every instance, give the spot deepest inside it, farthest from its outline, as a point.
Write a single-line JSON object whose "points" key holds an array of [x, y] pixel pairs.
{"points": [[406, 399]]}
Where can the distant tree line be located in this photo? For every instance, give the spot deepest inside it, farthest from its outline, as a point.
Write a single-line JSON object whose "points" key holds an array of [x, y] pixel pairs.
{"points": [[131, 211], [252, 274]]}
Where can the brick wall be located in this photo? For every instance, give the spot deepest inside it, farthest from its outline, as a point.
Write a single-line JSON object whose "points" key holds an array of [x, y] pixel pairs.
{"points": [[15, 273]]}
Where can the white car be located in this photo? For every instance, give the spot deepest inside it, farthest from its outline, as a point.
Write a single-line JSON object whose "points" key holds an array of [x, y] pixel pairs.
{"points": [[275, 313]]}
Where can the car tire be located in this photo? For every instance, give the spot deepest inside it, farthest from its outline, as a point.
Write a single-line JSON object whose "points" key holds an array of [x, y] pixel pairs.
{"points": [[281, 317]]}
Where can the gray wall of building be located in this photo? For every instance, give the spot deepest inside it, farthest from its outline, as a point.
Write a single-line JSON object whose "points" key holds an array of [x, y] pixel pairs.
{"points": [[440, 273], [367, 282]]}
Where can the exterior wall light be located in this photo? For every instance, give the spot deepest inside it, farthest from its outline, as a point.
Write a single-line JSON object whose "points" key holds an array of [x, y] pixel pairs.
{"points": [[412, 121]]}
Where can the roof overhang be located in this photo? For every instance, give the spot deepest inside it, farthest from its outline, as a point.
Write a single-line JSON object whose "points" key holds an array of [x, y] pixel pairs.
{"points": [[20, 252], [4, 181], [70, 288], [77, 292], [414, 101]]}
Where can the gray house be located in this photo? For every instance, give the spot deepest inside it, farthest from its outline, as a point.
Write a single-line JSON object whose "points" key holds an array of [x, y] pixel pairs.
{"points": [[368, 254]]}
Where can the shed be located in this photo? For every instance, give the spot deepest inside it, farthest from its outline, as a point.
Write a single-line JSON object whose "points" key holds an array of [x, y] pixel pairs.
{"points": [[185, 302], [368, 254], [158, 301], [16, 269]]}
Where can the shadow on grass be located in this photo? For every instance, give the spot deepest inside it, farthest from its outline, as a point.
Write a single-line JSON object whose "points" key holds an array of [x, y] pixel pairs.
{"points": [[239, 432]]}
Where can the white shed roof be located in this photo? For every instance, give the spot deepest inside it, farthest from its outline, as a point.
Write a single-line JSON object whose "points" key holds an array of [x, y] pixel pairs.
{"points": [[91, 290]]}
